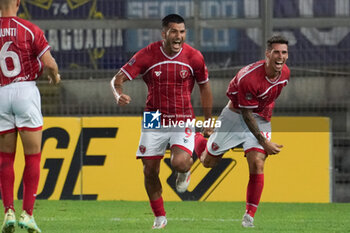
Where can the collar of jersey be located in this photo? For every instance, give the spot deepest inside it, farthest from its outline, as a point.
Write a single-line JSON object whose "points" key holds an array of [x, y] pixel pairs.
{"points": [[276, 80], [170, 58]]}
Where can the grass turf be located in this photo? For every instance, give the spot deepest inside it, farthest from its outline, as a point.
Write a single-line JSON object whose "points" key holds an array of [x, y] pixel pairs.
{"points": [[186, 217]]}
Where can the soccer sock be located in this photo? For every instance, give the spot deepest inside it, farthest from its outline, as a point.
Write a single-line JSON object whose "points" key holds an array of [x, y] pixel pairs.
{"points": [[7, 179], [254, 191], [158, 207], [31, 176], [200, 142]]}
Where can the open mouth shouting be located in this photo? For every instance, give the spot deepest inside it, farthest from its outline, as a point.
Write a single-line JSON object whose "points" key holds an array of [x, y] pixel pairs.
{"points": [[279, 65], [176, 45]]}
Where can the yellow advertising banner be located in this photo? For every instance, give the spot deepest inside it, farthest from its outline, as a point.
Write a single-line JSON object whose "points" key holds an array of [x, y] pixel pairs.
{"points": [[93, 158]]}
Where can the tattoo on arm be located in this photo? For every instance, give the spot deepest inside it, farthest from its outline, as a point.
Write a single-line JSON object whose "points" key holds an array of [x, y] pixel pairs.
{"points": [[252, 125]]}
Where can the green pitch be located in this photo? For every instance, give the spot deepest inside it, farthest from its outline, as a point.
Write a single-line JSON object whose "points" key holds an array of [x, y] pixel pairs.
{"points": [[186, 217]]}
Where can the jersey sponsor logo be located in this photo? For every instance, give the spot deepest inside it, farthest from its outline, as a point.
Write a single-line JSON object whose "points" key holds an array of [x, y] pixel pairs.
{"points": [[183, 74], [158, 73], [142, 149], [214, 146], [249, 96], [151, 120]]}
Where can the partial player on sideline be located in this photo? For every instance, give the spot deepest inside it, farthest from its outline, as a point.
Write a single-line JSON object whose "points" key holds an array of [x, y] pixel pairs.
{"points": [[24, 56]]}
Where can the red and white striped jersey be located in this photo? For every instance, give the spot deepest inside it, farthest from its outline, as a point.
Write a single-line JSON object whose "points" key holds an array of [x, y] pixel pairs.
{"points": [[251, 88], [21, 46], [170, 80]]}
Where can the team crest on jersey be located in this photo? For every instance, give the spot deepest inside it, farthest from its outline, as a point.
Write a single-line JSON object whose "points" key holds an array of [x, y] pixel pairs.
{"points": [[142, 149], [183, 74], [214, 146]]}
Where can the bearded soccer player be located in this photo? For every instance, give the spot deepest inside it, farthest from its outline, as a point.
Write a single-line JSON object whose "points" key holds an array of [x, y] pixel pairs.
{"points": [[24, 56], [246, 119], [170, 68]]}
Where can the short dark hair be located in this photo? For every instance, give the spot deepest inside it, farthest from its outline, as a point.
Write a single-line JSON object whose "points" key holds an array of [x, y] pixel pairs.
{"points": [[276, 39], [172, 18]]}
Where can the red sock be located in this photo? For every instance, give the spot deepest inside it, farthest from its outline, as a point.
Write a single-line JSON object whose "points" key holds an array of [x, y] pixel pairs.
{"points": [[254, 191], [7, 179], [158, 207], [31, 176], [199, 144]]}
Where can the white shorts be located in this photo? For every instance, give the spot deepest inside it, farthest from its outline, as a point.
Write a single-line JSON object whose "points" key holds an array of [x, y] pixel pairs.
{"points": [[20, 107], [234, 132], [154, 142]]}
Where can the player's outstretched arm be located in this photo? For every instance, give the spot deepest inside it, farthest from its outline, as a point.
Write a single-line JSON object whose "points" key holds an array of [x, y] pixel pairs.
{"points": [[270, 147], [50, 68], [117, 89], [207, 105]]}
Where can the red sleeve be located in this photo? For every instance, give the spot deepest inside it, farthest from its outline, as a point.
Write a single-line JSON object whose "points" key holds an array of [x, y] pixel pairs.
{"points": [[287, 72], [200, 69], [247, 94], [137, 64], [40, 43]]}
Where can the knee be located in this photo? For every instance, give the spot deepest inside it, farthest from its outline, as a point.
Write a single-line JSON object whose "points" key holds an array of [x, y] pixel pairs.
{"points": [[150, 172], [256, 167], [208, 164], [181, 165], [209, 161]]}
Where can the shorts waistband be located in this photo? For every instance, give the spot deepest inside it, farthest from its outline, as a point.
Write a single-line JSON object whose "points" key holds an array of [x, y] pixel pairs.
{"points": [[20, 84]]}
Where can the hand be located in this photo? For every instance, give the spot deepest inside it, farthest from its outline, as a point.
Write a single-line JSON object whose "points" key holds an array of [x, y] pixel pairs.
{"points": [[208, 131], [271, 148], [54, 80], [123, 100]]}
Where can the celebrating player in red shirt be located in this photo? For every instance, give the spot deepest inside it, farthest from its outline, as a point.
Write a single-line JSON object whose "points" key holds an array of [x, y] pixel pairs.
{"points": [[24, 56], [169, 68], [246, 119]]}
